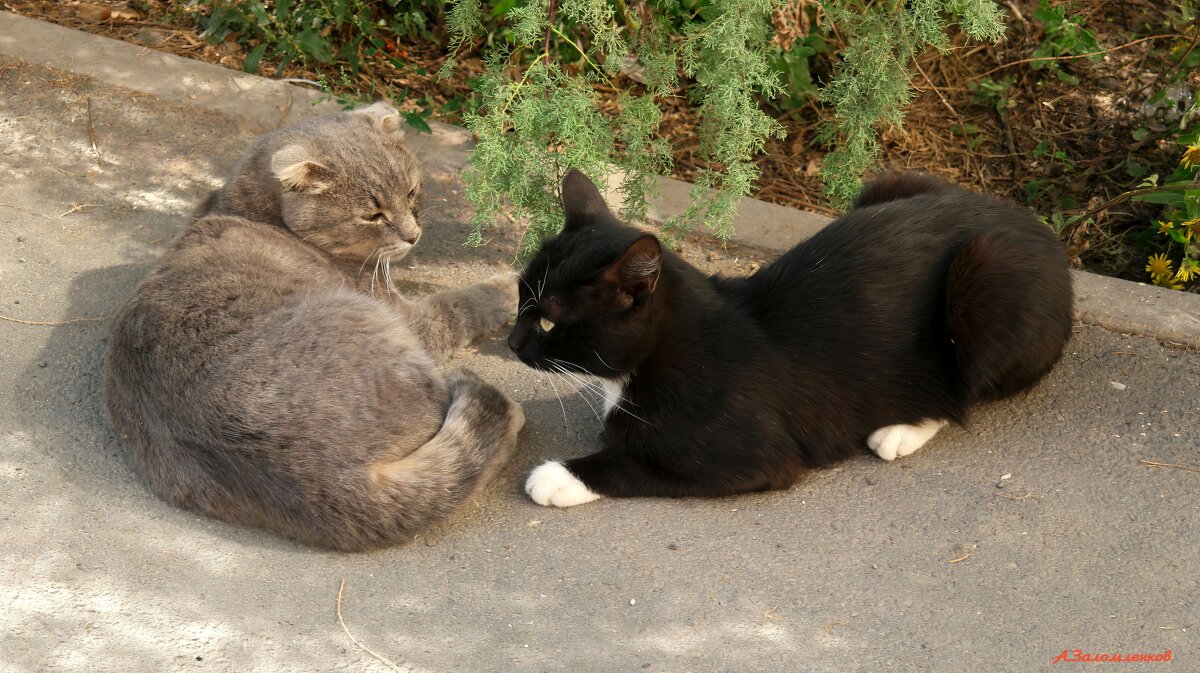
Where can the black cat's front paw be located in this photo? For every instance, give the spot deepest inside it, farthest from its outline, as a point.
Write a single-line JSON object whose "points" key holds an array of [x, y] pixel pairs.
{"points": [[553, 485]]}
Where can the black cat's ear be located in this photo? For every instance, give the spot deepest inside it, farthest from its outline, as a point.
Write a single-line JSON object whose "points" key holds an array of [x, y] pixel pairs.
{"points": [[582, 202], [636, 273], [296, 170]]}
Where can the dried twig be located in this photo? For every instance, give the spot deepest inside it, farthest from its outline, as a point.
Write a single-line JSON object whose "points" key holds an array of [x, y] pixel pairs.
{"points": [[1072, 57], [31, 212], [960, 559], [364, 648], [52, 323], [1014, 497], [1155, 463], [1174, 187], [75, 208], [91, 129]]}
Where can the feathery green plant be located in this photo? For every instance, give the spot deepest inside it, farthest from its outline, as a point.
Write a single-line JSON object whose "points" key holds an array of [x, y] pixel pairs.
{"points": [[539, 115], [873, 84], [536, 123]]}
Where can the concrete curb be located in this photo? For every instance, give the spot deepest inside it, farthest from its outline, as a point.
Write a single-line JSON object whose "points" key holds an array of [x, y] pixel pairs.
{"points": [[1115, 304]]}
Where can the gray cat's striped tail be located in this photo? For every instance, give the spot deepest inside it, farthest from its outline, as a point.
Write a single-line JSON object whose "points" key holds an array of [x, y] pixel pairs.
{"points": [[475, 440]]}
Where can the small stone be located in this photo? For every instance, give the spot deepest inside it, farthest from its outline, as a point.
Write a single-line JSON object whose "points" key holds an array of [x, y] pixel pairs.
{"points": [[633, 601], [42, 364], [21, 260], [1118, 386], [1109, 83], [20, 239], [673, 546], [870, 479], [16, 301], [151, 36]]}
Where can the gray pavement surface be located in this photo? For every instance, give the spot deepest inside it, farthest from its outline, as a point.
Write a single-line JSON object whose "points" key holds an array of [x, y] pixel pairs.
{"points": [[920, 565]]}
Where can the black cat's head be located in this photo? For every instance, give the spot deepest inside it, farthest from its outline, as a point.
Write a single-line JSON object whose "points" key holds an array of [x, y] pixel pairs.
{"points": [[588, 296]]}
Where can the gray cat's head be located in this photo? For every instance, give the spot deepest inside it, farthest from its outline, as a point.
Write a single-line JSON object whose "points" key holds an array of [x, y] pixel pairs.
{"points": [[348, 185]]}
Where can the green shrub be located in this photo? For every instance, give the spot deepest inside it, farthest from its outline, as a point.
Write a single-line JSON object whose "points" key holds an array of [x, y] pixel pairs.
{"points": [[539, 115]]}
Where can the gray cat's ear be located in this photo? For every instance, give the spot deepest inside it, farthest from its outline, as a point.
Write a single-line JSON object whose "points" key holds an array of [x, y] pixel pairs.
{"points": [[385, 117], [636, 273], [582, 202], [295, 168]]}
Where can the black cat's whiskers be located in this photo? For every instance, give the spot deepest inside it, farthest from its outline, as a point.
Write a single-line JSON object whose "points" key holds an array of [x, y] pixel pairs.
{"points": [[560, 371], [533, 297], [597, 353], [542, 284], [559, 396], [599, 390]]}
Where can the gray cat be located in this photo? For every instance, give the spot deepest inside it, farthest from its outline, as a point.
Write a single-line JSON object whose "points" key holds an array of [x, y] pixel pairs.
{"points": [[264, 374]]}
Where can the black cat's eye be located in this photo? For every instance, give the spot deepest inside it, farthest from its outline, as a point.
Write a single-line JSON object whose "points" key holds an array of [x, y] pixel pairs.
{"points": [[412, 192], [377, 217]]}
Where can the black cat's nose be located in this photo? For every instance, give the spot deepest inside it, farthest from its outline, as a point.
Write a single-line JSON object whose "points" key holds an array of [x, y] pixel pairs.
{"points": [[517, 339]]}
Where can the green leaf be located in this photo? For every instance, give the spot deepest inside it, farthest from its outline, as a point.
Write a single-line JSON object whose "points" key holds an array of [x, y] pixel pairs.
{"points": [[1140, 133], [315, 46], [254, 57], [1165, 198], [1134, 169], [1178, 235], [415, 120]]}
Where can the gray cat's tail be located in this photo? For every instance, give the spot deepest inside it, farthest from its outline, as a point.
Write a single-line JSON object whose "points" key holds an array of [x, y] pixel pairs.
{"points": [[475, 440]]}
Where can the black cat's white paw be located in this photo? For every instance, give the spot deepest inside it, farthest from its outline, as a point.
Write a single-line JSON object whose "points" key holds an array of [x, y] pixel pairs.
{"points": [[894, 441], [552, 485]]}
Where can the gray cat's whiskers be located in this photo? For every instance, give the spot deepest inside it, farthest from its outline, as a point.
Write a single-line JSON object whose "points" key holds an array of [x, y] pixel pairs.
{"points": [[387, 274], [375, 274]]}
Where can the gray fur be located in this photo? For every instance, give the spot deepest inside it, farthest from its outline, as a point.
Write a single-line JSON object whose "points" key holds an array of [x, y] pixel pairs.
{"points": [[255, 378]]}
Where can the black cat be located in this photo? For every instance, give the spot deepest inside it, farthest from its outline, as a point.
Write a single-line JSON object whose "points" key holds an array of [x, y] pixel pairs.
{"points": [[922, 301]]}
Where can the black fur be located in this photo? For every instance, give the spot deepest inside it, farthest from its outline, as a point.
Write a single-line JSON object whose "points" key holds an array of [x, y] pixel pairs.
{"points": [[920, 302]]}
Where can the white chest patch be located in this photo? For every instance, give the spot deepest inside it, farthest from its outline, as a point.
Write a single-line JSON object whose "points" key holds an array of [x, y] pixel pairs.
{"points": [[614, 393]]}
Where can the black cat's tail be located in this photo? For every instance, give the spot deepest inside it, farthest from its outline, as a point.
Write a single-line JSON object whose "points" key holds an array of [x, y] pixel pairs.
{"points": [[1008, 309], [475, 440], [895, 185]]}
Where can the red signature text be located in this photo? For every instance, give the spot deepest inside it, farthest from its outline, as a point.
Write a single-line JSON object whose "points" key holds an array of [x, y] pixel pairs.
{"points": [[1079, 656]]}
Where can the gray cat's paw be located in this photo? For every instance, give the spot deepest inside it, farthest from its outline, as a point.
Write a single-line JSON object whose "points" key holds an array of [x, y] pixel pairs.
{"points": [[502, 300], [516, 416]]}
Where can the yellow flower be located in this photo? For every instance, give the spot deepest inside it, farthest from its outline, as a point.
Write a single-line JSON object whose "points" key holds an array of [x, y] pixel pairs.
{"points": [[1159, 267], [1165, 227], [1167, 282], [1188, 269], [1191, 156], [1193, 228]]}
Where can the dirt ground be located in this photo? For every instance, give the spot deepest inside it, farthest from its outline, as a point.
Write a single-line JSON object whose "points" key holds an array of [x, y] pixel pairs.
{"points": [[934, 563]]}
